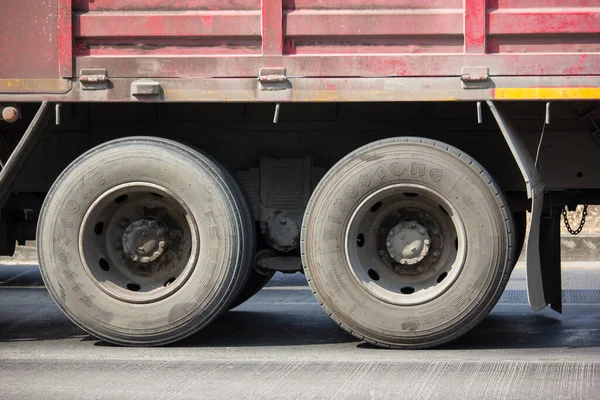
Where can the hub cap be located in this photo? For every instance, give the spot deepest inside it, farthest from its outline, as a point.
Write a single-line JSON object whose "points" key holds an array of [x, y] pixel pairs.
{"points": [[144, 240], [408, 242]]}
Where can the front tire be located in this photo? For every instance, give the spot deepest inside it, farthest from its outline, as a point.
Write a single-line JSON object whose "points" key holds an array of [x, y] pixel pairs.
{"points": [[144, 241], [407, 243]]}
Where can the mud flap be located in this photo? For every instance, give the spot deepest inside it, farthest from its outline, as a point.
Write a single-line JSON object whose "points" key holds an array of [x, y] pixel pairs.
{"points": [[535, 192], [550, 258]]}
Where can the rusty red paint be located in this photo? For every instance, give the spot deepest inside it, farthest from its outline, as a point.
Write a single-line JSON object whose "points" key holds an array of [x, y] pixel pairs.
{"points": [[309, 38], [381, 23], [65, 39], [163, 5], [272, 27], [475, 26], [545, 21], [168, 24]]}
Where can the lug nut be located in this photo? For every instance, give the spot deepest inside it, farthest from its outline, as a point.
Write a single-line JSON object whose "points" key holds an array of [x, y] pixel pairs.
{"points": [[436, 253], [392, 233], [426, 242], [389, 244], [160, 232], [161, 244], [156, 255], [145, 259]]}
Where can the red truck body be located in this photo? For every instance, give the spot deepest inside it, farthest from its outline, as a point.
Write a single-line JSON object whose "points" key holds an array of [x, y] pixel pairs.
{"points": [[214, 50]]}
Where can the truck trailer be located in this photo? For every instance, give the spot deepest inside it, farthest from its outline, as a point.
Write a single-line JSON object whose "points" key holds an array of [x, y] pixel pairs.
{"points": [[169, 156]]}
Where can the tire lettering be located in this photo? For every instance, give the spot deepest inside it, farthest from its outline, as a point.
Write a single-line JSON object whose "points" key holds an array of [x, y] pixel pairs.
{"points": [[397, 169], [351, 191], [365, 180], [379, 173], [436, 174], [87, 300], [84, 191], [98, 179], [418, 170], [338, 204], [72, 207]]}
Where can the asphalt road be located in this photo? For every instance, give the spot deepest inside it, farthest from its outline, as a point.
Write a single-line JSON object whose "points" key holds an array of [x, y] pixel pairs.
{"points": [[282, 345]]}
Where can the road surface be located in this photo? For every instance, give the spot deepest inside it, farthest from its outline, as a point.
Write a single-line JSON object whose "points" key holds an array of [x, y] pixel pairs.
{"points": [[282, 345]]}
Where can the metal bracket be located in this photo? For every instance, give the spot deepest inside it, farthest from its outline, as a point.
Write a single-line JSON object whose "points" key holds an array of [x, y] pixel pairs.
{"points": [[145, 87], [93, 79], [273, 79], [21, 153], [475, 77], [535, 191]]}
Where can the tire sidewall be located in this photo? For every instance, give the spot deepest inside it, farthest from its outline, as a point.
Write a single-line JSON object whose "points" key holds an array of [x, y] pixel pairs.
{"points": [[476, 200], [220, 224]]}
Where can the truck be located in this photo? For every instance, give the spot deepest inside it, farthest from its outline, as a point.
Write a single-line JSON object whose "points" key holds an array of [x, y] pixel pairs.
{"points": [[169, 156]]}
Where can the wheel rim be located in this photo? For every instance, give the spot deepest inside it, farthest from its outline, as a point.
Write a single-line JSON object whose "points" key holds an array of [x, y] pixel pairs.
{"points": [[139, 242], [405, 244]]}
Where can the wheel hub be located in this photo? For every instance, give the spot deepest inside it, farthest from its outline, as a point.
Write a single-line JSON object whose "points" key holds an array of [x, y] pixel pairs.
{"points": [[144, 240], [408, 242]]}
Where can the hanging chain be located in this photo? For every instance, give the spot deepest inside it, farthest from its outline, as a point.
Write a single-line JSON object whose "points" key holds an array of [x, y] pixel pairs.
{"points": [[581, 223]]}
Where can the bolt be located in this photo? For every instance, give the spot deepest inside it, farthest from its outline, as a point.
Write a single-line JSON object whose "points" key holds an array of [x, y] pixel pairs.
{"points": [[423, 253], [402, 262], [129, 229], [389, 244], [10, 114], [134, 257], [160, 232], [161, 244], [392, 233], [145, 259], [427, 242], [436, 253], [156, 254]]}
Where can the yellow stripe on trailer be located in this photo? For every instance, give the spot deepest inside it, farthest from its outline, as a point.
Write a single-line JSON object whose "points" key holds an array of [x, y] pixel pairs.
{"points": [[571, 93]]}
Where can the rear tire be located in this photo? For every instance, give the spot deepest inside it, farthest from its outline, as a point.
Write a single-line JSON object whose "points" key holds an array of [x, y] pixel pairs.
{"points": [[144, 241], [438, 199]]}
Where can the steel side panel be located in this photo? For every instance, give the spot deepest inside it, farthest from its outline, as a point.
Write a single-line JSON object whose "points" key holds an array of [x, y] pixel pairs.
{"points": [[43, 42]]}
